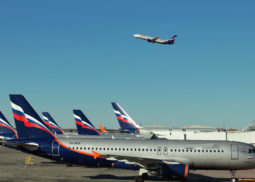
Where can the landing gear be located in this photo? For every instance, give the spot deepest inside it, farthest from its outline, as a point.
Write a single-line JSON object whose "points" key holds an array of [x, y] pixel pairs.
{"points": [[143, 175], [233, 172]]}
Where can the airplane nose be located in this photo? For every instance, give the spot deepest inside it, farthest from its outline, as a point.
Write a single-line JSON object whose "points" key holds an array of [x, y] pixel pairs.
{"points": [[135, 35]]}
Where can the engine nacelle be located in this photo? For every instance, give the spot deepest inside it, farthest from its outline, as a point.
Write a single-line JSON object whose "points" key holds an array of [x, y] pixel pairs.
{"points": [[175, 171]]}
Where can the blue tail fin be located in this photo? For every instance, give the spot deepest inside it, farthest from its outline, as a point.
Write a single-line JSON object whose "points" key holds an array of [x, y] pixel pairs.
{"points": [[171, 41], [125, 121], [51, 123], [28, 122], [6, 129], [84, 126]]}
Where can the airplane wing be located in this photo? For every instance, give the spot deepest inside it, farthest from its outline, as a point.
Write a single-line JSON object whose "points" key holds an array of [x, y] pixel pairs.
{"points": [[143, 161], [29, 146], [172, 167]]}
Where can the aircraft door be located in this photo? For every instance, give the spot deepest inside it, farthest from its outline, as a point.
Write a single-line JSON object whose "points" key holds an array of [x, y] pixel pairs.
{"points": [[55, 148], [234, 152], [159, 151]]}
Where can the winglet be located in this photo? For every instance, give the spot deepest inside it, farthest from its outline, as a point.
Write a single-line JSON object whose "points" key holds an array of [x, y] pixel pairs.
{"points": [[102, 128], [95, 154]]}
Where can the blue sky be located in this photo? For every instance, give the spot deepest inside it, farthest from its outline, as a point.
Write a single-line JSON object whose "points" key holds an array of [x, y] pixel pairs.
{"points": [[64, 55]]}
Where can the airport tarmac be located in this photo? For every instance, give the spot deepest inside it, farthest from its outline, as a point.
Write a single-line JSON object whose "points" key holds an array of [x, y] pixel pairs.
{"points": [[12, 170]]}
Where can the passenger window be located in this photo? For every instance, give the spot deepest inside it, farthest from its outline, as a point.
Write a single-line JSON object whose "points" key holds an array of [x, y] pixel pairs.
{"points": [[179, 150], [88, 148], [182, 150], [80, 148], [96, 148], [142, 149], [194, 150], [198, 150], [92, 148]]}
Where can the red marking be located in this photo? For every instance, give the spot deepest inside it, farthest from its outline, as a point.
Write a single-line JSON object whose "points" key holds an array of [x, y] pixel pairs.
{"points": [[113, 164], [53, 126], [126, 121], [87, 127], [186, 171]]}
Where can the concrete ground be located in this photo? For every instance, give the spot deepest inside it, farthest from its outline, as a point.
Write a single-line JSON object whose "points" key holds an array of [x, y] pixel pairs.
{"points": [[12, 170]]}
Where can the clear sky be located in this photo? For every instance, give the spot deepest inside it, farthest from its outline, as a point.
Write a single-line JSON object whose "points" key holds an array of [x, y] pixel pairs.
{"points": [[64, 55]]}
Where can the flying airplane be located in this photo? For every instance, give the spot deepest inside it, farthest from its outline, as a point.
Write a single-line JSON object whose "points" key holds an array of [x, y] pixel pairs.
{"points": [[159, 157], [6, 129], [51, 123], [155, 39]]}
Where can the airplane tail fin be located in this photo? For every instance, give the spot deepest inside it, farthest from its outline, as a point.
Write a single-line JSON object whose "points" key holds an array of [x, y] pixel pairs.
{"points": [[51, 123], [102, 128], [6, 129], [171, 41], [125, 121], [84, 126], [28, 122]]}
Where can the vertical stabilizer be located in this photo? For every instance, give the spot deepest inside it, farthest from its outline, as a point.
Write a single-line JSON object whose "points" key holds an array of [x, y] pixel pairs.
{"points": [[125, 121], [84, 126], [28, 122], [52, 124], [6, 129]]}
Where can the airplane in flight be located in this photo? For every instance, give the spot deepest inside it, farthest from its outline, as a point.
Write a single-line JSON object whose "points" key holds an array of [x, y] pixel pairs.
{"points": [[155, 39], [6, 129], [158, 157], [52, 124]]}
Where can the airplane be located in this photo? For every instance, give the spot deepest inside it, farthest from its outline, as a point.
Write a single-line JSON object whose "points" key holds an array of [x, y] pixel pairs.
{"points": [[155, 39], [158, 157], [128, 124], [52, 124], [6, 129]]}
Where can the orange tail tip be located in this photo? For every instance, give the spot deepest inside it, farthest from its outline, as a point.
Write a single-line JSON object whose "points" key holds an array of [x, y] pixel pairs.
{"points": [[95, 154], [102, 128]]}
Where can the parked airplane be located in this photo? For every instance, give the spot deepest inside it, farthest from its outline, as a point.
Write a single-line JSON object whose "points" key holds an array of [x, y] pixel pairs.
{"points": [[159, 157], [127, 123], [52, 124], [155, 39], [6, 129]]}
